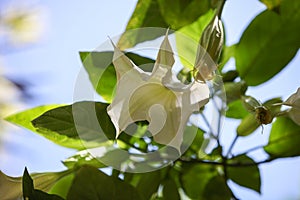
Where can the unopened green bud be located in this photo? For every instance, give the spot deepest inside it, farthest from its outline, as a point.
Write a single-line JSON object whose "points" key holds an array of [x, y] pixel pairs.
{"points": [[234, 90], [212, 38], [211, 44], [230, 76]]}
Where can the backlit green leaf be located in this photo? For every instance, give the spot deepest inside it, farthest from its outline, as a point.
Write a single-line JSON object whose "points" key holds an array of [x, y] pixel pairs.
{"points": [[146, 14], [179, 13], [217, 189], [148, 183], [92, 184], [284, 139], [163, 14], [62, 186], [271, 4], [24, 119], [269, 43], [33, 194], [82, 158], [193, 141], [236, 110], [245, 176], [11, 187], [195, 177], [83, 121], [227, 53], [170, 190], [187, 39]]}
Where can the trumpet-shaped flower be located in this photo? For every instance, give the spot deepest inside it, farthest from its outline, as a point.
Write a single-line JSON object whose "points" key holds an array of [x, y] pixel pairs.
{"points": [[157, 97]]}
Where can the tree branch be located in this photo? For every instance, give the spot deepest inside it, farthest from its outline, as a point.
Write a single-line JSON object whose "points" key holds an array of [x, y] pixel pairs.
{"points": [[237, 164]]}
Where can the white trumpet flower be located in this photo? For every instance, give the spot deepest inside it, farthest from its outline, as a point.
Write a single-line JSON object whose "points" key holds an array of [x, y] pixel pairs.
{"points": [[158, 97]]}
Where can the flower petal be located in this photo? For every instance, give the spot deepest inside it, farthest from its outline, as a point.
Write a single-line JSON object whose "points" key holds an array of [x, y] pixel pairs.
{"points": [[164, 61], [122, 63], [294, 114], [160, 107], [292, 100], [159, 98], [118, 110]]}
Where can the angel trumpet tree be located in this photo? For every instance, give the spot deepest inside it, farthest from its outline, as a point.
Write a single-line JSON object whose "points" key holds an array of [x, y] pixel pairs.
{"points": [[158, 97]]}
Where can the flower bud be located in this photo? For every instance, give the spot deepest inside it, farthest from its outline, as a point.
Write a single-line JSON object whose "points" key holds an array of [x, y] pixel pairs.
{"points": [[212, 38], [210, 45]]}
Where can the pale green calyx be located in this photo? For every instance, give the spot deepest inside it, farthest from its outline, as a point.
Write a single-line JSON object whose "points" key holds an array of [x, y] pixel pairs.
{"points": [[157, 97]]}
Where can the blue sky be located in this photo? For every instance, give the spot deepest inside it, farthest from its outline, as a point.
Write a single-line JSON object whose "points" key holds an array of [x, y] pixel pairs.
{"points": [[53, 64]]}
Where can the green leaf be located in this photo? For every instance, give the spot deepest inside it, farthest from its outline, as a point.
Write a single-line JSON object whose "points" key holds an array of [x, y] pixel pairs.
{"points": [[284, 140], [115, 158], [268, 44], [227, 53], [163, 14], [194, 148], [185, 76], [236, 110], [32, 194], [102, 73], [271, 4], [179, 13], [245, 176], [24, 119], [62, 186], [83, 158], [148, 183], [82, 121], [248, 125], [170, 190], [27, 184], [215, 155], [234, 90], [144, 63], [195, 177], [187, 39], [146, 14], [217, 189], [91, 184], [11, 187]]}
